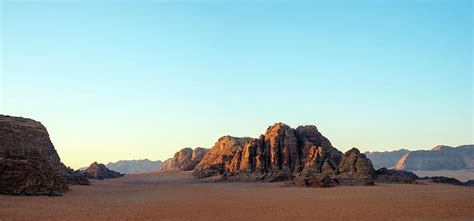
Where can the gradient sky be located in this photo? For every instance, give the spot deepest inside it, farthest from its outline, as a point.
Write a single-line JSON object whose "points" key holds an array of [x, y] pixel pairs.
{"points": [[114, 80]]}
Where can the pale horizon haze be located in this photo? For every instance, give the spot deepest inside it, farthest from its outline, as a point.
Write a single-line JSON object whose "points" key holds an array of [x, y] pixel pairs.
{"points": [[120, 80]]}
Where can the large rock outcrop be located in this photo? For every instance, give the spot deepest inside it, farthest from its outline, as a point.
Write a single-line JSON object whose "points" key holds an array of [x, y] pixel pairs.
{"points": [[100, 171], [186, 159], [355, 169], [439, 158], [284, 153], [29, 164]]}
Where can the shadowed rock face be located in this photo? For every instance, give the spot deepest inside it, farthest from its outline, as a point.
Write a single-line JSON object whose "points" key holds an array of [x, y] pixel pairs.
{"points": [[284, 153], [185, 159], [29, 164], [100, 171]]}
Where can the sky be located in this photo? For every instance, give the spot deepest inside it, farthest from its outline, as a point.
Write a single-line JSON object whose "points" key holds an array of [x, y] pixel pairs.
{"points": [[116, 80]]}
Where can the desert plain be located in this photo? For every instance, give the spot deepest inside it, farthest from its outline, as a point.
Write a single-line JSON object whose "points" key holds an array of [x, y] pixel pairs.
{"points": [[179, 196]]}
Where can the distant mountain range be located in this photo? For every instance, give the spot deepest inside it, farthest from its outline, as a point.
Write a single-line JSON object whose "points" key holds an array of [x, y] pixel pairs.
{"points": [[133, 166], [385, 159], [439, 158]]}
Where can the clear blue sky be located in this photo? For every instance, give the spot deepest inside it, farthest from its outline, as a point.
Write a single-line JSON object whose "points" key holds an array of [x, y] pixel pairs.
{"points": [[116, 80]]}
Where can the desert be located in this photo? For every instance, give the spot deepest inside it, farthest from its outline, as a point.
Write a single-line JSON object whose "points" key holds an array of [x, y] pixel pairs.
{"points": [[236, 110], [172, 195]]}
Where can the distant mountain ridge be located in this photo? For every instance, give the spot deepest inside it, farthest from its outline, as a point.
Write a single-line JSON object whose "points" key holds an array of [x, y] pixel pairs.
{"points": [[441, 157], [135, 166], [385, 159]]}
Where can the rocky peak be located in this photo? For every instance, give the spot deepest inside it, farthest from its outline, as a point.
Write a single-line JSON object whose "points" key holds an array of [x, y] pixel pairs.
{"points": [[100, 171], [283, 153], [185, 159]]}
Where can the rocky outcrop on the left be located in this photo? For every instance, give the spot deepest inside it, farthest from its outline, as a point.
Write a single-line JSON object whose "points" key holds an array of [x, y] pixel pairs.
{"points": [[100, 171], [29, 163], [186, 159]]}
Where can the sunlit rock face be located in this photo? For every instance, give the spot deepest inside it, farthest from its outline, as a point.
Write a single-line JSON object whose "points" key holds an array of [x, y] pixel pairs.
{"points": [[29, 164], [186, 159], [283, 153]]}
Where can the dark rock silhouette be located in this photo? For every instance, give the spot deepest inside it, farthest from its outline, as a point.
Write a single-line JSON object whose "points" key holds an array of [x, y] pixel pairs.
{"points": [[447, 180], [29, 164], [384, 175], [469, 183]]}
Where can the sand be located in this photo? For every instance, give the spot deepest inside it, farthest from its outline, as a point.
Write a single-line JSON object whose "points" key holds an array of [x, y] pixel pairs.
{"points": [[177, 196]]}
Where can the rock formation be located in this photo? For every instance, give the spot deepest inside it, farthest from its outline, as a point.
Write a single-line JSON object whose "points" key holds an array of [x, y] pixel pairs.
{"points": [[384, 175], [469, 183], [284, 153], [134, 166], [100, 171], [74, 177], [186, 159], [439, 158], [355, 169], [447, 180], [386, 159], [29, 164]]}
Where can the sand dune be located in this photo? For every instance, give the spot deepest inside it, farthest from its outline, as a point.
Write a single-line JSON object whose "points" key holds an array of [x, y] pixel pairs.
{"points": [[178, 196]]}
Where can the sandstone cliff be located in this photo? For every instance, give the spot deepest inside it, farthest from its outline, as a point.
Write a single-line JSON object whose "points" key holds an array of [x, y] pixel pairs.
{"points": [[29, 164], [284, 153], [186, 159]]}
